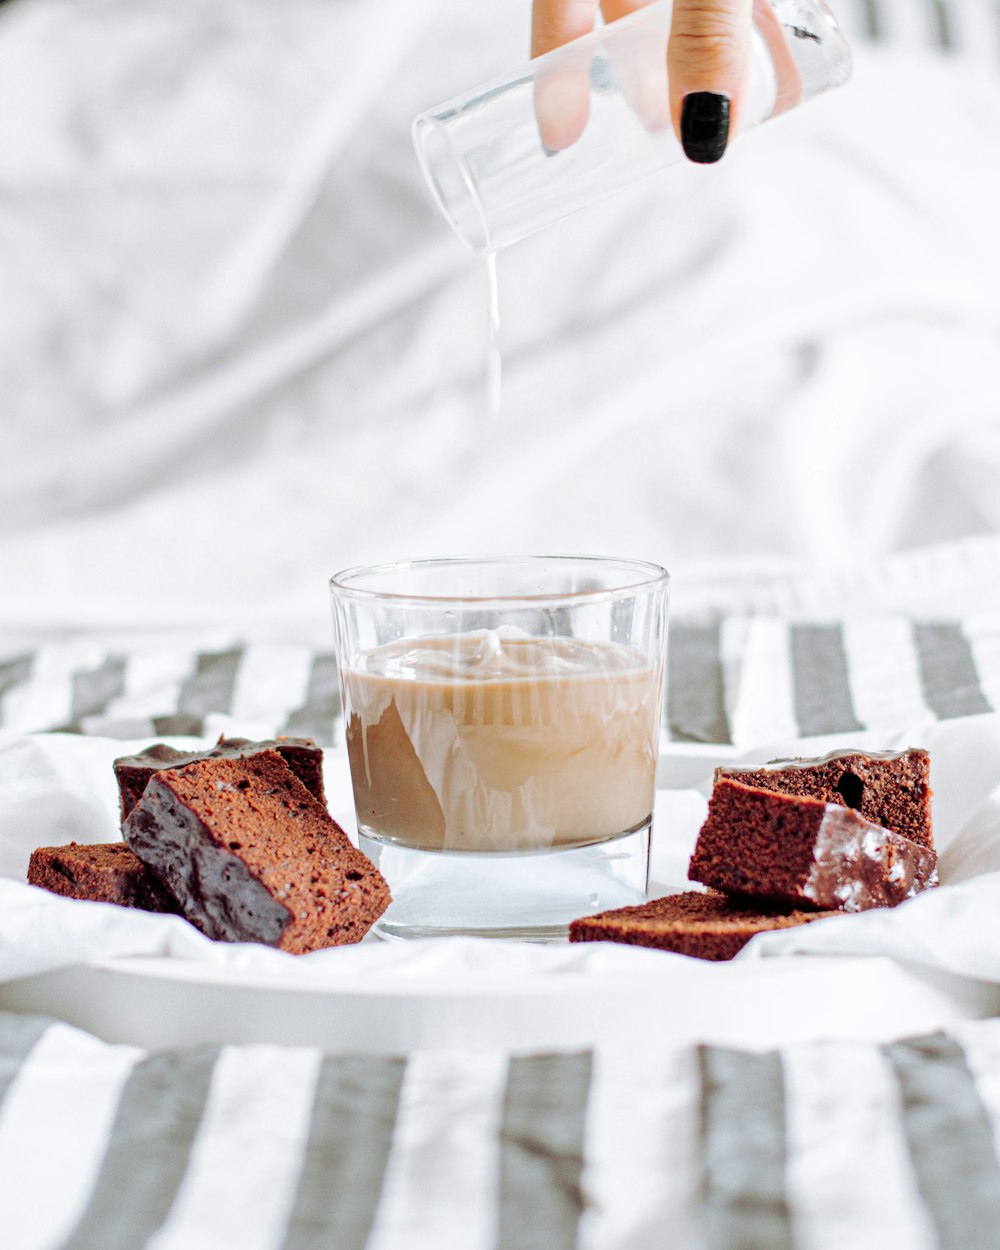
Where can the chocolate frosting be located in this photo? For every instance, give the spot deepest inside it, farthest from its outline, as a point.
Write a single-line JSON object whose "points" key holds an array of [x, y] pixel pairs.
{"points": [[858, 865], [817, 761], [159, 755], [209, 882]]}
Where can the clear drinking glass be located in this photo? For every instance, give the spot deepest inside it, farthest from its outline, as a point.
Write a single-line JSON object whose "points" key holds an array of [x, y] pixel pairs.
{"points": [[503, 718], [573, 126]]}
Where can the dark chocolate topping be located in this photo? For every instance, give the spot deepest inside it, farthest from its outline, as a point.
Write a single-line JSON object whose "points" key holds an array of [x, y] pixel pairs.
{"points": [[211, 884], [858, 865], [132, 772], [252, 855], [800, 761], [159, 755], [806, 852]]}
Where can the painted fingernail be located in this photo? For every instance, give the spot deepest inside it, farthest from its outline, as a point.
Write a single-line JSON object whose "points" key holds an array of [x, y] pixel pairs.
{"points": [[704, 126]]}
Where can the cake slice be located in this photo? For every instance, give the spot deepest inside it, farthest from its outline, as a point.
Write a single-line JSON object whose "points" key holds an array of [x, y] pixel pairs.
{"points": [[705, 926], [888, 788], [106, 872], [132, 772], [804, 852], [252, 856]]}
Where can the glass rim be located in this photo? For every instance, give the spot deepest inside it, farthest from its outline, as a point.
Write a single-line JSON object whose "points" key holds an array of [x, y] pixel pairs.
{"points": [[429, 124], [649, 577]]}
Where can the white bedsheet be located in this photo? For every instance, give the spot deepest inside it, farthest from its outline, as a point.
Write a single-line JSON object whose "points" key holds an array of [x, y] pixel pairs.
{"points": [[240, 349]]}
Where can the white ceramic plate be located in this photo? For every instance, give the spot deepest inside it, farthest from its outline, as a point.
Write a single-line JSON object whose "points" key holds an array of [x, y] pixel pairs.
{"points": [[166, 1002], [468, 993]]}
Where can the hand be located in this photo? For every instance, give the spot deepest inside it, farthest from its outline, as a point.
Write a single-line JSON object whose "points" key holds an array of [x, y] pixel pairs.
{"points": [[707, 58]]}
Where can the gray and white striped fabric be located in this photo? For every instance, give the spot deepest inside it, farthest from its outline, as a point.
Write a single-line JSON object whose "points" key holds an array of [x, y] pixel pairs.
{"points": [[967, 27], [751, 680], [740, 680], [172, 689], [821, 1146]]}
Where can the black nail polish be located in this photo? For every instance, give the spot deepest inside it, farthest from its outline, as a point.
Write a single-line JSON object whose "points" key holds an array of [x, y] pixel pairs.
{"points": [[704, 126]]}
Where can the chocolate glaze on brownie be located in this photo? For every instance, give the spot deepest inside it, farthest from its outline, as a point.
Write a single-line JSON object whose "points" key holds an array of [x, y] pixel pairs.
{"points": [[706, 926], [252, 856], [805, 852], [888, 788], [106, 872], [302, 756]]}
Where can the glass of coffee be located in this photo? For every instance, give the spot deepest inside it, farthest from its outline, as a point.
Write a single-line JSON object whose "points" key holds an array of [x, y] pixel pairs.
{"points": [[502, 718]]}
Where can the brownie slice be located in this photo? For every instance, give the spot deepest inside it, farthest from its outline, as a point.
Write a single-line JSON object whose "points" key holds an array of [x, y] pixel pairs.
{"points": [[805, 852], [706, 926], [106, 872], [252, 856], [888, 788], [132, 772]]}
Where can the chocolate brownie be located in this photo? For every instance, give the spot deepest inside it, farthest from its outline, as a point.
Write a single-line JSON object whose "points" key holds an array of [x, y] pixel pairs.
{"points": [[888, 788], [252, 856], [805, 852], [706, 926], [302, 756], [106, 872]]}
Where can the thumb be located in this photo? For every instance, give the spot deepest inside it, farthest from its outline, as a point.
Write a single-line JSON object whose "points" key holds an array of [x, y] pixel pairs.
{"points": [[707, 60]]}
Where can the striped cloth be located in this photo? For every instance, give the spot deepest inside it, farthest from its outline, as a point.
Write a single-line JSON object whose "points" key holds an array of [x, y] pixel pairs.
{"points": [[820, 1146], [968, 27], [741, 680], [754, 680], [169, 689]]}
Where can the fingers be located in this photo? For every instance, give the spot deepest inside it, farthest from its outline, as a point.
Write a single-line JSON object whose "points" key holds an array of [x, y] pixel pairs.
{"points": [[612, 10], [707, 59], [562, 103], [555, 22], [562, 92], [642, 71]]}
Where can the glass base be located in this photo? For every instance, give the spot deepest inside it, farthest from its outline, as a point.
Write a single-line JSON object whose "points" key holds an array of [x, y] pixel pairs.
{"points": [[530, 897]]}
